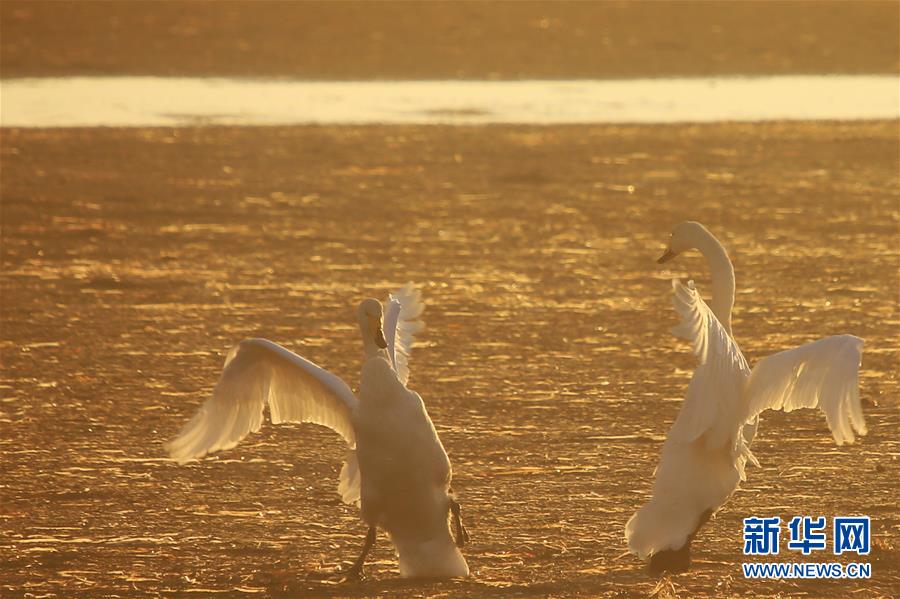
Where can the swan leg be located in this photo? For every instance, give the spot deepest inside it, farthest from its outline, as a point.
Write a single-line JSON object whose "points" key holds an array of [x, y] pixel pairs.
{"points": [[355, 571], [678, 560], [462, 535]]}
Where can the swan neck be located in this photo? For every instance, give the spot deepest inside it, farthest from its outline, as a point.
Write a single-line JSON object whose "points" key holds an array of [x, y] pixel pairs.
{"points": [[723, 283], [377, 381]]}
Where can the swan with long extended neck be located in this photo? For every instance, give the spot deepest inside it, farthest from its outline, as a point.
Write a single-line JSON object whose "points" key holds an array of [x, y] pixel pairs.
{"points": [[704, 456]]}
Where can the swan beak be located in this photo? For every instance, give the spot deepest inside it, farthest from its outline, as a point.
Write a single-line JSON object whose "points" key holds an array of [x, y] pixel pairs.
{"points": [[379, 339], [375, 327], [666, 257]]}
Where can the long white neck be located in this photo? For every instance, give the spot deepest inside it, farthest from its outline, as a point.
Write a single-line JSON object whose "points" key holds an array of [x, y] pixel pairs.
{"points": [[722, 278]]}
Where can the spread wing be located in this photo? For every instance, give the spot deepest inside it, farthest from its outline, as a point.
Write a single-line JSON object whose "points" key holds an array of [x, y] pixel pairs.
{"points": [[823, 374], [712, 403], [260, 373], [402, 310], [687, 481]]}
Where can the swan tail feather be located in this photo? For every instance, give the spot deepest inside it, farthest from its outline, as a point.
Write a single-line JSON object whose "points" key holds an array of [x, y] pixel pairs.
{"points": [[690, 482], [434, 558]]}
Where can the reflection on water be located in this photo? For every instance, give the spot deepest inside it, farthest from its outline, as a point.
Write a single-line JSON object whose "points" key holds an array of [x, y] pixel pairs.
{"points": [[158, 101]]}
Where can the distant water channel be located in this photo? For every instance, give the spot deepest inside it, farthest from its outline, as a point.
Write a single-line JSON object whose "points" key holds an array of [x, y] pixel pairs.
{"points": [[177, 102]]}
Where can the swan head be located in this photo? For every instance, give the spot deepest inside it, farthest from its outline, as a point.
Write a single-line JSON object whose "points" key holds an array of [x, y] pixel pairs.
{"points": [[685, 236], [370, 316]]}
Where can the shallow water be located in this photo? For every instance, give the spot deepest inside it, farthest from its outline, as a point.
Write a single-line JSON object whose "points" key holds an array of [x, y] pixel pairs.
{"points": [[160, 101]]}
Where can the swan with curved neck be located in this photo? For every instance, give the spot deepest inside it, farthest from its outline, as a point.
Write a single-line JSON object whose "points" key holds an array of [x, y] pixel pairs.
{"points": [[692, 235], [705, 453], [397, 471], [369, 316]]}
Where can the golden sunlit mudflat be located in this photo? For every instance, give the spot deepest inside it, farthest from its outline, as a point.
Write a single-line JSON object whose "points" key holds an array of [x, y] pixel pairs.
{"points": [[134, 259]]}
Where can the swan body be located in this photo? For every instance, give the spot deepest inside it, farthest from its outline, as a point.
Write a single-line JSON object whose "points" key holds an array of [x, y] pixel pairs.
{"points": [[396, 469], [406, 475], [704, 456]]}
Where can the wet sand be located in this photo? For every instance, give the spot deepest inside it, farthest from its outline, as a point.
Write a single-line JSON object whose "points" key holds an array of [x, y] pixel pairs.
{"points": [[407, 40], [133, 259]]}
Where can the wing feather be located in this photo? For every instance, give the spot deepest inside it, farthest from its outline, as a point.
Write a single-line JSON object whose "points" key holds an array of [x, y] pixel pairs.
{"points": [[349, 485], [696, 475], [823, 374], [401, 323], [714, 394], [260, 373]]}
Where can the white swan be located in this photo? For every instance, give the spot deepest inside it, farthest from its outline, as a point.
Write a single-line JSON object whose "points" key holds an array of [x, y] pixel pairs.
{"points": [[704, 455], [396, 471]]}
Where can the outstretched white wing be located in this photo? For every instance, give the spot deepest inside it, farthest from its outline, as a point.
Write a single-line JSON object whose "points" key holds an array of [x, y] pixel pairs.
{"points": [[821, 374], [712, 403], [258, 373], [401, 322], [693, 477]]}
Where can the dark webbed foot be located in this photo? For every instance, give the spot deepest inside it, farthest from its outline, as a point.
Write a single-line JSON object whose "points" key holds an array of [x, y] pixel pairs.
{"points": [[673, 561], [676, 561], [352, 574]]}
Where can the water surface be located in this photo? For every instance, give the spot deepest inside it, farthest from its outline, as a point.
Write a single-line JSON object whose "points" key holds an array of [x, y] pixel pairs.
{"points": [[160, 101]]}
